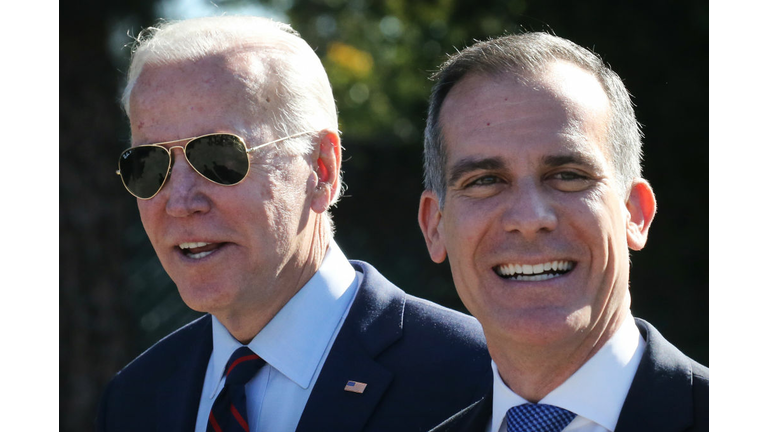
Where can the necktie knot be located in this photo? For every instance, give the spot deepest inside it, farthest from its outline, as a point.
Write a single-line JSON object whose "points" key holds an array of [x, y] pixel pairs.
{"points": [[538, 418], [242, 366]]}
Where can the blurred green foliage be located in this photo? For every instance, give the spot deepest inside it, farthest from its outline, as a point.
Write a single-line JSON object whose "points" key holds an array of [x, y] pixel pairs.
{"points": [[378, 55]]}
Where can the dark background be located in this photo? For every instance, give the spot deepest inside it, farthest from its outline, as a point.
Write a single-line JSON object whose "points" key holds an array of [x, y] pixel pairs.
{"points": [[115, 299]]}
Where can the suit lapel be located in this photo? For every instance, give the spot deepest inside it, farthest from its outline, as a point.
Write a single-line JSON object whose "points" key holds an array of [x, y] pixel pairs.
{"points": [[660, 398], [478, 418], [332, 408], [374, 323], [473, 418], [178, 397]]}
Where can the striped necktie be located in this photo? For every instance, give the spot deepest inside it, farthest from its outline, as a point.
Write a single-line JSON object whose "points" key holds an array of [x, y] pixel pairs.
{"points": [[229, 412], [538, 418]]}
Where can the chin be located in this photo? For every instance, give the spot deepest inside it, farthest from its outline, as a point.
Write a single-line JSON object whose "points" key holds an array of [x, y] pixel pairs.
{"points": [[537, 327], [202, 297]]}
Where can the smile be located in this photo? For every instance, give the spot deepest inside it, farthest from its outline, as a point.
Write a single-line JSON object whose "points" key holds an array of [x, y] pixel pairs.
{"points": [[198, 250], [534, 272]]}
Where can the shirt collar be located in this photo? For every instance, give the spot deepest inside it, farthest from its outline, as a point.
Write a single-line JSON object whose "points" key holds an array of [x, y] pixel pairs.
{"points": [[294, 341], [596, 391]]}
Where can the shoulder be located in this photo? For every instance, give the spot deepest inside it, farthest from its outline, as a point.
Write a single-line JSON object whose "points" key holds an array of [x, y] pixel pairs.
{"points": [[669, 384], [437, 356], [453, 337], [434, 339], [667, 358], [430, 316], [165, 355], [700, 381], [130, 400], [417, 314]]}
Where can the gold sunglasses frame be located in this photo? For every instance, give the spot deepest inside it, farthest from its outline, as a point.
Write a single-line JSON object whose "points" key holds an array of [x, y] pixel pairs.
{"points": [[183, 148]]}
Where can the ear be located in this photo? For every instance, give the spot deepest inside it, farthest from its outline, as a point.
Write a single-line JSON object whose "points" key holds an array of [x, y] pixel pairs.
{"points": [[430, 217], [641, 206], [326, 163]]}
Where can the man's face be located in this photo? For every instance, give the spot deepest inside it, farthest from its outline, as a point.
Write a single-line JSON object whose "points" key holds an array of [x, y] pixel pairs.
{"points": [[256, 233], [533, 225]]}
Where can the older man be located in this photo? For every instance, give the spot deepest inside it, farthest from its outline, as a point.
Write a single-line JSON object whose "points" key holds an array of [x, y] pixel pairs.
{"points": [[534, 193], [235, 162]]}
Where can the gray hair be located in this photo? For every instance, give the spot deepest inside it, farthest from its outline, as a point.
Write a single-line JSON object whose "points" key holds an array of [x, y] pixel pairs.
{"points": [[295, 75], [525, 55]]}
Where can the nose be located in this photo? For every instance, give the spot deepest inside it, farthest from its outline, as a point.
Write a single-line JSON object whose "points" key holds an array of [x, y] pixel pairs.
{"points": [[529, 210], [183, 188]]}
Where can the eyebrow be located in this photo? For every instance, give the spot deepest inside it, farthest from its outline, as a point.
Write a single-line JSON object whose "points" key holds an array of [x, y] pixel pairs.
{"points": [[568, 158], [465, 165], [469, 164]]}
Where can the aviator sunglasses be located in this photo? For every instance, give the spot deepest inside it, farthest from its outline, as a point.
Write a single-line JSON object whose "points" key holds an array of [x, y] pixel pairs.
{"points": [[220, 158]]}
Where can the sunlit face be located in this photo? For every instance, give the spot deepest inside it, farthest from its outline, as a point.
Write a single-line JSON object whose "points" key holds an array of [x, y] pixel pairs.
{"points": [[229, 249], [532, 224]]}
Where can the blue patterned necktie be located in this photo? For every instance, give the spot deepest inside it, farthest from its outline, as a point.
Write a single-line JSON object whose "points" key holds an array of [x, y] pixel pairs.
{"points": [[538, 418], [229, 412]]}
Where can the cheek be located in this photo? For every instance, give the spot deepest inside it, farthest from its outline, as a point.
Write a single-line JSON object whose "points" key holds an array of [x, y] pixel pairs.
{"points": [[148, 212], [459, 231], [463, 234], [288, 200], [604, 230], [601, 218]]}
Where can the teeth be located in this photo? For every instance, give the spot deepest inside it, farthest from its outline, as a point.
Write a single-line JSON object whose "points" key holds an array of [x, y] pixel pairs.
{"points": [[192, 245], [540, 277], [200, 255], [536, 272]]}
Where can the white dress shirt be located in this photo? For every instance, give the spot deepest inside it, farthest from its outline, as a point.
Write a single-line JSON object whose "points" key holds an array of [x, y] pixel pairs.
{"points": [[595, 392], [294, 344]]}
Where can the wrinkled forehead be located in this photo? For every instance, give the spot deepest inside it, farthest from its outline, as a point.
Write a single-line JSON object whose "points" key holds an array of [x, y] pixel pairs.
{"points": [[563, 98], [225, 75], [199, 96]]}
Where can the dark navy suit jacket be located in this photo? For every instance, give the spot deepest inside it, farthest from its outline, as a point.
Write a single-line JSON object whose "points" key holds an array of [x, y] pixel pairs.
{"points": [[670, 393], [422, 363]]}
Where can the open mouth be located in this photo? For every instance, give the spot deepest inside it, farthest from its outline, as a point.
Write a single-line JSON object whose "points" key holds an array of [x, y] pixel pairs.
{"points": [[198, 250], [534, 272]]}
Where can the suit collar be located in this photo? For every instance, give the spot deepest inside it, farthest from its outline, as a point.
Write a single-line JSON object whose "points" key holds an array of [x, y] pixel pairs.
{"points": [[319, 305], [660, 398], [596, 391], [374, 323], [376, 316], [178, 397]]}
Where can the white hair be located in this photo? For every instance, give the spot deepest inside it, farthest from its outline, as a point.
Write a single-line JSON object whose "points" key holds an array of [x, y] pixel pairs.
{"points": [[295, 77]]}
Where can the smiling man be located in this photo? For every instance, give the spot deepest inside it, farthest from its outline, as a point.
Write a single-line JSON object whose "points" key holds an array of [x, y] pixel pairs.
{"points": [[235, 162], [534, 193]]}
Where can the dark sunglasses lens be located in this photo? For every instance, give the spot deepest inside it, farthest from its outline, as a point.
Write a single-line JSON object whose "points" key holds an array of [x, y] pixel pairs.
{"points": [[144, 169], [220, 158]]}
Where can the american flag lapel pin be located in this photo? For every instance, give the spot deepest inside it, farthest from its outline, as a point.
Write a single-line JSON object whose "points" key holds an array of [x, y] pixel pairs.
{"points": [[355, 387]]}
